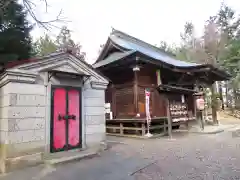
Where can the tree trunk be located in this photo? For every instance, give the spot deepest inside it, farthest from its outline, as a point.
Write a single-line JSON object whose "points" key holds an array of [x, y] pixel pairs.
{"points": [[226, 94], [214, 104], [234, 99], [221, 94]]}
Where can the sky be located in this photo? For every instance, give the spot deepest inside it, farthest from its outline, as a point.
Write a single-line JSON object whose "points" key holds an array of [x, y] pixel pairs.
{"points": [[152, 21]]}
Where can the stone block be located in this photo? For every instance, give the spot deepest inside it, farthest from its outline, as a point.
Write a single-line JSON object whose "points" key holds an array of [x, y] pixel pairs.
{"points": [[5, 100], [23, 161], [95, 101], [95, 129], [3, 124], [4, 112], [21, 88], [4, 137], [94, 110], [94, 139], [4, 89], [66, 82], [24, 112], [26, 148], [26, 124], [30, 100], [93, 93], [95, 119], [26, 136]]}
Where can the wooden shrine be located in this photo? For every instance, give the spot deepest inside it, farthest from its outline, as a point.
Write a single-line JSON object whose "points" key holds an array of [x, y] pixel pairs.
{"points": [[133, 66]]}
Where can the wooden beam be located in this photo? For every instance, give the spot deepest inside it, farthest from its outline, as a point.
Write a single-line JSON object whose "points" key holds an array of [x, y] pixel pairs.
{"points": [[181, 84]]}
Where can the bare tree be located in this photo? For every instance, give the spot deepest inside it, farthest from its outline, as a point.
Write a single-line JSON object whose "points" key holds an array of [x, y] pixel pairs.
{"points": [[30, 6]]}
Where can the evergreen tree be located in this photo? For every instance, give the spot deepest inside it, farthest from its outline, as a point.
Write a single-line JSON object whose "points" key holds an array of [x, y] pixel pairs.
{"points": [[15, 40], [44, 46], [65, 43]]}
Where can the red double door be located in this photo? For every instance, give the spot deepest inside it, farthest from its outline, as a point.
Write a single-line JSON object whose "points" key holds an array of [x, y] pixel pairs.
{"points": [[65, 119]]}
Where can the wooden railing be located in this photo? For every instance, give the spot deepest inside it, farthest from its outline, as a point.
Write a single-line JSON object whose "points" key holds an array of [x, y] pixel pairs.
{"points": [[136, 127]]}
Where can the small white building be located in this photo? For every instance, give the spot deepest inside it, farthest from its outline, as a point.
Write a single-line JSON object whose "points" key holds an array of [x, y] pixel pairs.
{"points": [[48, 105]]}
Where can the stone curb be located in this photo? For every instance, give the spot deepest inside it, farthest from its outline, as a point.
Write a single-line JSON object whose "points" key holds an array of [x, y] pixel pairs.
{"points": [[73, 158], [208, 132], [155, 136], [115, 142]]}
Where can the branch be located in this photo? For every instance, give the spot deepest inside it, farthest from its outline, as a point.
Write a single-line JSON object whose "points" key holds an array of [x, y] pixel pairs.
{"points": [[47, 25], [46, 4]]}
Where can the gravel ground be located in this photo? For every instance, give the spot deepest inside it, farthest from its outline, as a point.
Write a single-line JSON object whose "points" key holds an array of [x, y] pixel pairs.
{"points": [[186, 156], [209, 157]]}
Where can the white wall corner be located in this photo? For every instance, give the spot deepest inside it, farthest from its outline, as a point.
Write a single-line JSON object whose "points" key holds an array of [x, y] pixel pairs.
{"points": [[99, 85]]}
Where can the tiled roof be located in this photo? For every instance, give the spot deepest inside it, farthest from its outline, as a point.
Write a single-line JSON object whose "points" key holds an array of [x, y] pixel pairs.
{"points": [[130, 43]]}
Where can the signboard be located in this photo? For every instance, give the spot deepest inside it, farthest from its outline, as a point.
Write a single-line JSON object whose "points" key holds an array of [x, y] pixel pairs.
{"points": [[147, 106]]}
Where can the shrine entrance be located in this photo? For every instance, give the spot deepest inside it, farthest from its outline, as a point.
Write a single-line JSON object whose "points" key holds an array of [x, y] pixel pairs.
{"points": [[65, 118]]}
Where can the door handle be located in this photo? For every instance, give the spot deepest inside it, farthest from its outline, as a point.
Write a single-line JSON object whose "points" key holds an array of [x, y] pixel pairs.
{"points": [[65, 117], [60, 117], [73, 117]]}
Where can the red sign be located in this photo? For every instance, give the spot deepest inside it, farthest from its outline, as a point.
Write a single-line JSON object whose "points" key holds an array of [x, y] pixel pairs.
{"points": [[200, 103]]}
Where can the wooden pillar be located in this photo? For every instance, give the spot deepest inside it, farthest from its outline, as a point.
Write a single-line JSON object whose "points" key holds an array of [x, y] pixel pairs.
{"points": [[121, 128], [114, 110], [136, 69], [169, 117]]}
